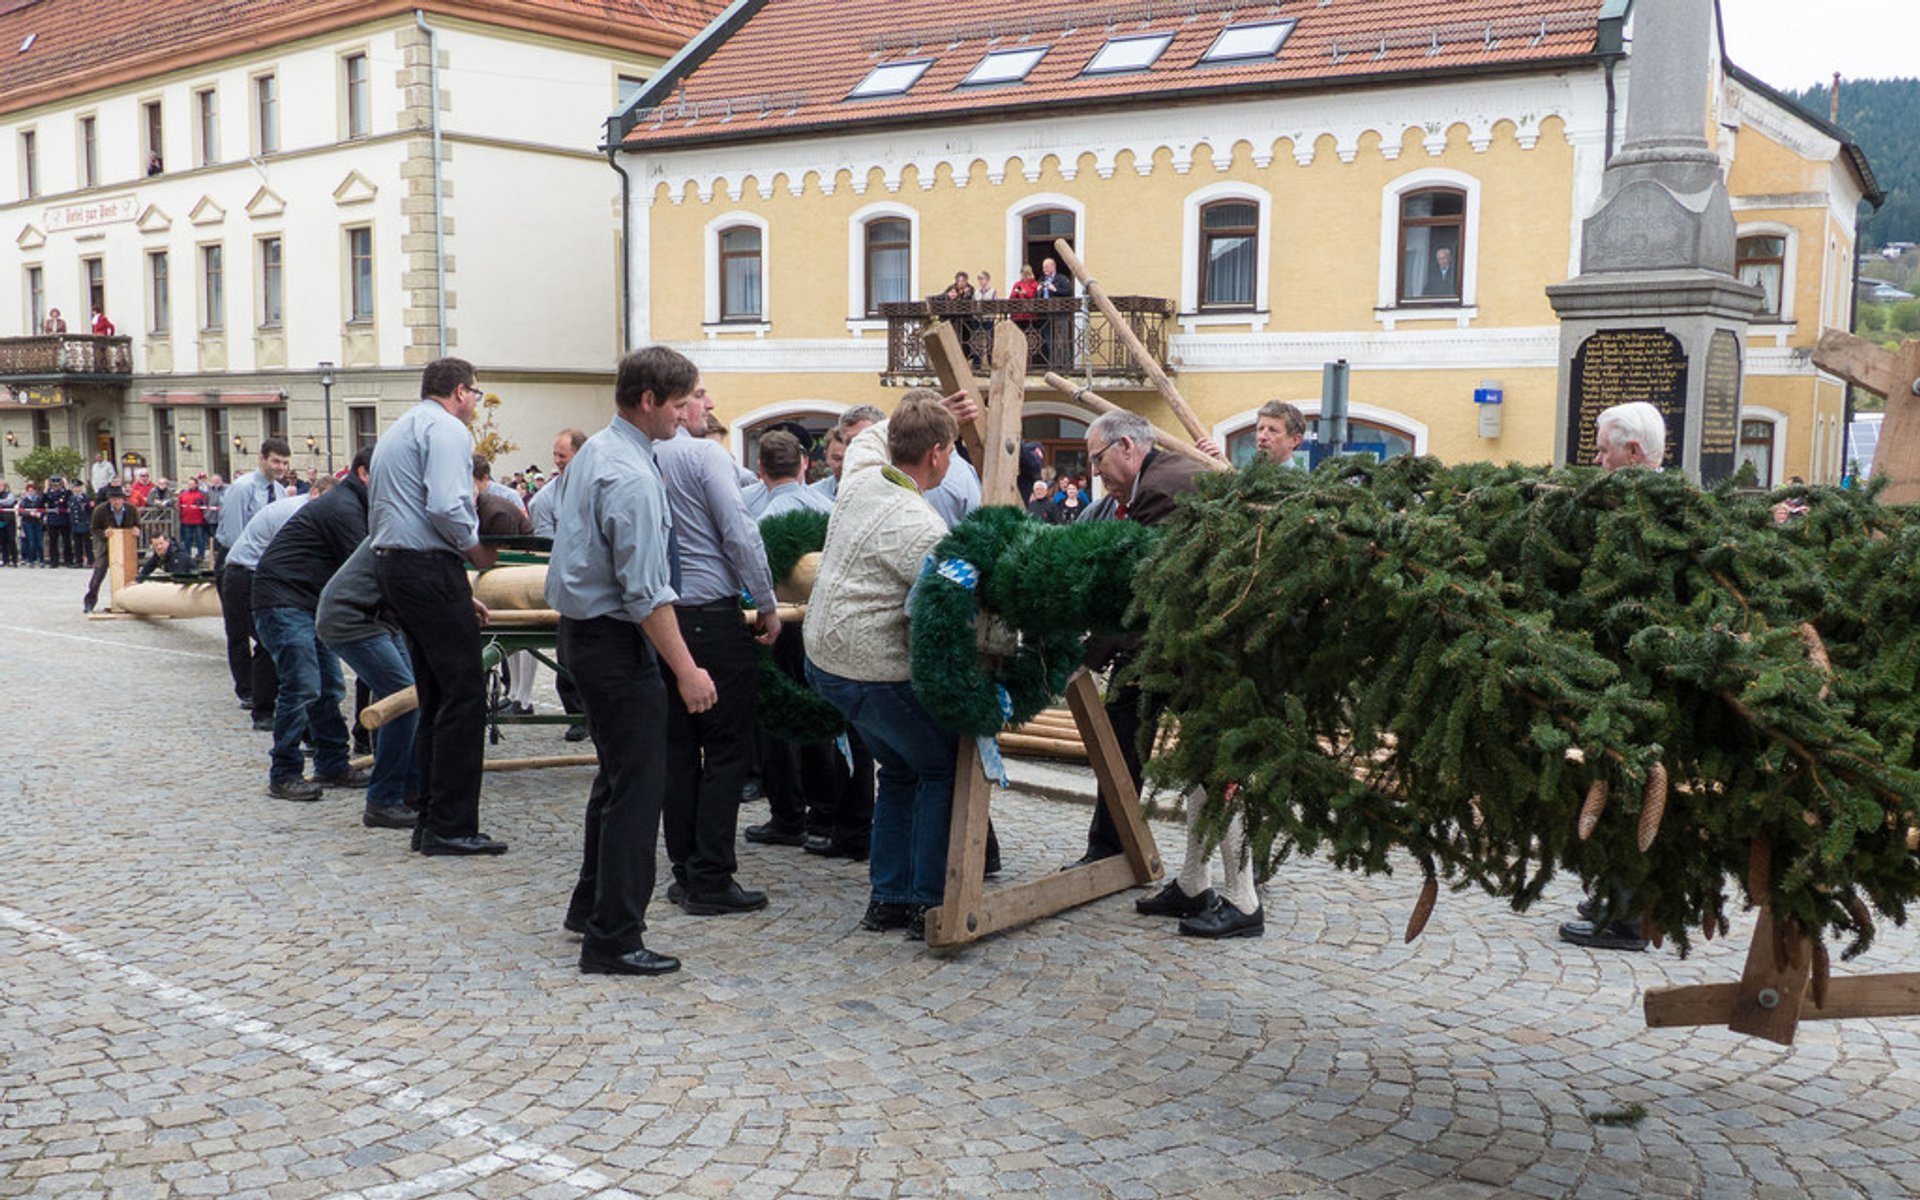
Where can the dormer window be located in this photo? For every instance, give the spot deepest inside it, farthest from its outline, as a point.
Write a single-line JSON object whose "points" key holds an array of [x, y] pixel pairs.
{"points": [[890, 79], [1006, 66], [1241, 43], [1129, 54]]}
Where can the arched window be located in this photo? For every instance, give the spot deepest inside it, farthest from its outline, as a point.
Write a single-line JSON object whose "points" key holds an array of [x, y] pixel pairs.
{"points": [[889, 254], [1380, 432], [1063, 443], [1039, 229], [1432, 245], [741, 295], [1229, 254]]}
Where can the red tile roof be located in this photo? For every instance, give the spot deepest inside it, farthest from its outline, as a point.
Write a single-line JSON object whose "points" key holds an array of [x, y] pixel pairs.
{"points": [[791, 65], [81, 45]]}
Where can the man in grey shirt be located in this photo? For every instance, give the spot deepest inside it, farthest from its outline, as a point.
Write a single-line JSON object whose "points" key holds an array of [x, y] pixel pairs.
{"points": [[710, 754], [610, 579], [540, 510], [348, 621], [236, 503], [236, 607], [424, 530]]}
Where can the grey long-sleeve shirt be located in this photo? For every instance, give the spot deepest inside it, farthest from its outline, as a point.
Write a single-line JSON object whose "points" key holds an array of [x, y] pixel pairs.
{"points": [[610, 546], [258, 534], [720, 549], [241, 499], [421, 486]]}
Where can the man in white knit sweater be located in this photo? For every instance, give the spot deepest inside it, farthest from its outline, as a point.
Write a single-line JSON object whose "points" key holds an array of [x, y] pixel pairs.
{"points": [[881, 533]]}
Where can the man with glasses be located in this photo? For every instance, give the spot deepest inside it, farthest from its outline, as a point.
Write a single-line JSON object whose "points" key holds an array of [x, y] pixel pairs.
{"points": [[424, 529]]}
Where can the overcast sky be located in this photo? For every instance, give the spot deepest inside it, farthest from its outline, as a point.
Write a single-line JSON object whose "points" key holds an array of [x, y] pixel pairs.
{"points": [[1792, 44]]}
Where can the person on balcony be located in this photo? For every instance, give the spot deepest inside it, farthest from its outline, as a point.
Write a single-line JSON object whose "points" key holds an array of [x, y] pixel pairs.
{"points": [[55, 323], [101, 326], [983, 287], [1025, 288], [1059, 345]]}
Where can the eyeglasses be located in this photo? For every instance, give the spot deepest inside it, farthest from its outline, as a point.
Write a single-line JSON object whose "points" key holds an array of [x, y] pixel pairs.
{"points": [[1093, 460]]}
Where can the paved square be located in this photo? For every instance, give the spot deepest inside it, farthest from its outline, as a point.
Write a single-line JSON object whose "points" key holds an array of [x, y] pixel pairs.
{"points": [[205, 992]]}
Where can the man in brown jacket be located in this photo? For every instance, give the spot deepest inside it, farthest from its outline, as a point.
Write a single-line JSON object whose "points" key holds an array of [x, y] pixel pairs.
{"points": [[116, 513], [1142, 482]]}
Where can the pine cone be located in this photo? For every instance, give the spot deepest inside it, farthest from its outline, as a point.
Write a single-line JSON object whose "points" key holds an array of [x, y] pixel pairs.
{"points": [[1591, 810], [1862, 919], [1653, 805], [1423, 908]]}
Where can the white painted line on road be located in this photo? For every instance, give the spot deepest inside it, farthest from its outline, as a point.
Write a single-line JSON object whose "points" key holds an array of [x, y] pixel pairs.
{"points": [[508, 1151], [75, 637]]}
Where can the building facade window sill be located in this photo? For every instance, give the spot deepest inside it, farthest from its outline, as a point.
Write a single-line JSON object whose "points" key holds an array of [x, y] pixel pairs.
{"points": [[714, 329], [1255, 318], [1461, 315]]}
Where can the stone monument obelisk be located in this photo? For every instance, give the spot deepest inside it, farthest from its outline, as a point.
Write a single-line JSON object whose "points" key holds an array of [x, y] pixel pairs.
{"points": [[1656, 313]]}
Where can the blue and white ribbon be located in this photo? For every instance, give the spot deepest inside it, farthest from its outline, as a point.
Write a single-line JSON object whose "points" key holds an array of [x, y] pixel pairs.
{"points": [[960, 571]]}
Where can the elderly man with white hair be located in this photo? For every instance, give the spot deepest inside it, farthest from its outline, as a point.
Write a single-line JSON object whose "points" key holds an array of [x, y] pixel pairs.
{"points": [[1626, 435]]}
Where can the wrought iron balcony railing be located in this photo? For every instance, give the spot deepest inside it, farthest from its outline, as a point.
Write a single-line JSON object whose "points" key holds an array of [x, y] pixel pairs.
{"points": [[54, 356], [1067, 335]]}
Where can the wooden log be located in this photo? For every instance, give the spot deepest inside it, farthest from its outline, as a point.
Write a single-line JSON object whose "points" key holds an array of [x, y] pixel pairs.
{"points": [[999, 463], [787, 612], [1896, 376], [958, 918], [540, 762], [1048, 747], [1848, 997], [797, 587], [523, 588], [1088, 399], [1131, 340], [516, 617], [386, 708], [153, 599], [948, 358]]}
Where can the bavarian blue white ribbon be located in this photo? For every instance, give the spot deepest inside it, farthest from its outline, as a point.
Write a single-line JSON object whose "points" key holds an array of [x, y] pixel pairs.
{"points": [[960, 571]]}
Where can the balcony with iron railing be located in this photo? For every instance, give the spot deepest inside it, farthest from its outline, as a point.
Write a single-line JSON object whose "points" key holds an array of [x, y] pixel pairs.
{"points": [[65, 358], [1068, 335]]}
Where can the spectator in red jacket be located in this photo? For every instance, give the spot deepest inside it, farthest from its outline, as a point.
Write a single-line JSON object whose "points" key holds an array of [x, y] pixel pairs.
{"points": [[101, 326], [193, 520]]}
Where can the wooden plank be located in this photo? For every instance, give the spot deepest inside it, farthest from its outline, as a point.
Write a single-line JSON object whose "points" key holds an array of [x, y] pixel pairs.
{"points": [[1848, 996], [1116, 783], [540, 762], [1859, 361], [123, 560], [949, 362], [1898, 455], [999, 460], [1768, 997], [958, 919], [386, 708], [1023, 903], [1088, 399], [1131, 340], [1047, 747]]}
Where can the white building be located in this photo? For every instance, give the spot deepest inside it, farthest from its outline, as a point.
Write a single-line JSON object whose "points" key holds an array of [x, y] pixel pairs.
{"points": [[294, 220]]}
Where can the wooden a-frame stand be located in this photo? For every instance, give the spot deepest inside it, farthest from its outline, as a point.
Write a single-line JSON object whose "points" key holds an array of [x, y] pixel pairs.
{"points": [[1777, 990], [968, 911]]}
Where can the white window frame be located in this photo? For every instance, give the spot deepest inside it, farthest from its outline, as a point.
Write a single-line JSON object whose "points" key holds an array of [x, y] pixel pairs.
{"points": [[1778, 456], [1388, 310], [260, 321], [86, 167], [345, 84], [204, 294], [206, 126], [858, 321], [260, 128], [348, 317], [1788, 271], [1017, 214], [1190, 315], [710, 293]]}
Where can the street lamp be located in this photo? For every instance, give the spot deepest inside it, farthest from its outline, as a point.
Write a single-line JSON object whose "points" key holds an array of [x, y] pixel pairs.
{"points": [[326, 407]]}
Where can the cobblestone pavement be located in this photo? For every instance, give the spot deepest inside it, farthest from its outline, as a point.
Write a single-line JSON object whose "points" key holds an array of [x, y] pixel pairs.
{"points": [[204, 992]]}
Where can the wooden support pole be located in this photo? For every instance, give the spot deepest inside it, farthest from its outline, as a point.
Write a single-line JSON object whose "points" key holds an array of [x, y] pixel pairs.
{"points": [[949, 362], [1131, 340], [958, 919], [1093, 402], [1116, 782], [1895, 376], [999, 458], [386, 708]]}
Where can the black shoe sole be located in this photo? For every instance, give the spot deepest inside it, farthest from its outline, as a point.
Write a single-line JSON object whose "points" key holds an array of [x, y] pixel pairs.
{"points": [[600, 968], [708, 908]]}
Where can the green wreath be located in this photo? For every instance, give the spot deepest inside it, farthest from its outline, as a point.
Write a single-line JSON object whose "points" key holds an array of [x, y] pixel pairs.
{"points": [[789, 710], [1049, 585]]}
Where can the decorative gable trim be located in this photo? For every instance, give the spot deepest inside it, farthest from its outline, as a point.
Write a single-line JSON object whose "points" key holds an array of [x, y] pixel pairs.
{"points": [[266, 203], [154, 220], [355, 189], [31, 237], [207, 212]]}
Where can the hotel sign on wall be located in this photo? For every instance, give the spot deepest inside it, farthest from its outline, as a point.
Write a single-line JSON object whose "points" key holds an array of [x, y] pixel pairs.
{"points": [[110, 211]]}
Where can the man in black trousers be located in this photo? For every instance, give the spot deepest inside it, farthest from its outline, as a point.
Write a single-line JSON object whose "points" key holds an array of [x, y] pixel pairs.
{"points": [[424, 530], [610, 579]]}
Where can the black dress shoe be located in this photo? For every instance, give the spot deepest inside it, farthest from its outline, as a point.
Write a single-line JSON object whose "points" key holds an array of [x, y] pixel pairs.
{"points": [[397, 816], [770, 834], [293, 789], [573, 924], [638, 961], [881, 917], [352, 779], [434, 844], [735, 899], [1087, 859], [1621, 935], [917, 923], [1223, 920], [577, 732], [1170, 901], [818, 843]]}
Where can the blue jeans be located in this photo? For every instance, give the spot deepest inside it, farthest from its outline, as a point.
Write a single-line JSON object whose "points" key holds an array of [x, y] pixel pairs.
{"points": [[382, 664], [30, 535], [194, 538], [913, 793], [311, 689]]}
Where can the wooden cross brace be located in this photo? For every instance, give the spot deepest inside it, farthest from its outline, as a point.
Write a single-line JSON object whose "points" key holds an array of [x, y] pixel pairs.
{"points": [[1894, 375]]}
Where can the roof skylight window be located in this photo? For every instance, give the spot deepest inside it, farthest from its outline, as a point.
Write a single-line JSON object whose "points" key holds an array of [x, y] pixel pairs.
{"points": [[890, 79], [1240, 42], [1006, 66], [1129, 54]]}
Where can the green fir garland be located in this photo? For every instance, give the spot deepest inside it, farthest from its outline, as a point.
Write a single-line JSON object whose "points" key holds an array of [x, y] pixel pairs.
{"points": [[1456, 662]]}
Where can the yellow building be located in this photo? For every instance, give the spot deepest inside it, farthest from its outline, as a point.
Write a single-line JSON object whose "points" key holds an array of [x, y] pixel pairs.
{"points": [[1281, 185]]}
